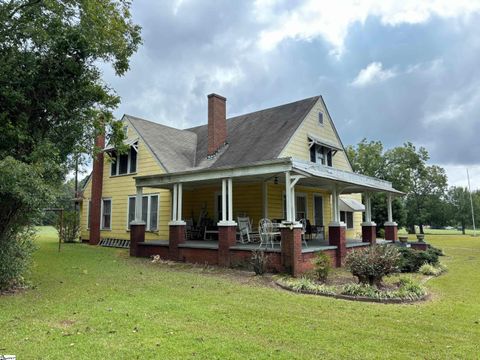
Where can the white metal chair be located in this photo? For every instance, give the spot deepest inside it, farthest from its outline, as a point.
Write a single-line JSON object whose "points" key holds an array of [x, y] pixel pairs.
{"points": [[304, 231], [268, 233]]}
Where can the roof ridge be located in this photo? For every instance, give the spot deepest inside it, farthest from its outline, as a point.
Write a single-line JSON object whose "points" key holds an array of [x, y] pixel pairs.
{"points": [[258, 111], [156, 123]]}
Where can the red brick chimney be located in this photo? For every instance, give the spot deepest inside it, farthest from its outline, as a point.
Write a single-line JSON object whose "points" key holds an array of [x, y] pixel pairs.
{"points": [[217, 122], [97, 185]]}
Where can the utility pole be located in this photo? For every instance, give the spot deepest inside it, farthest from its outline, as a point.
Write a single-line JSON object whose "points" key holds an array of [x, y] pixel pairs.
{"points": [[471, 204]]}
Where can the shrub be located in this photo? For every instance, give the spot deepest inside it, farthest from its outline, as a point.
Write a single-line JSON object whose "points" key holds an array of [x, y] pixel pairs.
{"points": [[412, 260], [71, 227], [437, 251], [259, 261], [371, 264], [407, 290], [381, 233], [15, 256], [306, 284], [428, 269], [322, 266]]}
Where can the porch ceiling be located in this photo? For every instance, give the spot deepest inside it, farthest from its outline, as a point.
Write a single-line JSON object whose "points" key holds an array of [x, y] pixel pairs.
{"points": [[313, 175]]}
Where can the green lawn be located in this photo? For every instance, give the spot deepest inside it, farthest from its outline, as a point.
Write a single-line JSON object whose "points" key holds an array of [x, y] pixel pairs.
{"points": [[94, 302]]}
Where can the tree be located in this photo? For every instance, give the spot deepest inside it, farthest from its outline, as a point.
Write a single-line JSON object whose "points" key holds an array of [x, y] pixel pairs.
{"points": [[406, 168], [52, 98], [458, 199], [421, 182]]}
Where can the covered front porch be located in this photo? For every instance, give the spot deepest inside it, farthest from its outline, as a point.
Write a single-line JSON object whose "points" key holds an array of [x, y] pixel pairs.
{"points": [[266, 190]]}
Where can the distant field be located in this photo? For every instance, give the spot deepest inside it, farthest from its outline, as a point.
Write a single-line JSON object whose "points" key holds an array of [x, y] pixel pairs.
{"points": [[449, 232]]}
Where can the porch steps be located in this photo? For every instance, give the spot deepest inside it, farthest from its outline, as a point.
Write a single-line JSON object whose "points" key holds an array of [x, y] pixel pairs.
{"points": [[117, 243]]}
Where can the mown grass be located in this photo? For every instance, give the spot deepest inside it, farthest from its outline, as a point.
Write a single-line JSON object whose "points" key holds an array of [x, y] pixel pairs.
{"points": [[91, 302]]}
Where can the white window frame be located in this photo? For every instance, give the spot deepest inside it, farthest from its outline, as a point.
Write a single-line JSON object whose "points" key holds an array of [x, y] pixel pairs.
{"points": [[117, 163], [102, 227], [301, 194], [147, 223], [346, 219]]}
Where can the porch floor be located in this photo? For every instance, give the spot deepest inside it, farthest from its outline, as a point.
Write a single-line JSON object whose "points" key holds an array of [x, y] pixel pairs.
{"points": [[312, 245]]}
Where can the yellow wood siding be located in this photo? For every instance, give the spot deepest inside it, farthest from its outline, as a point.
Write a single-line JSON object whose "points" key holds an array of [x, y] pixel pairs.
{"points": [[298, 148], [119, 188]]}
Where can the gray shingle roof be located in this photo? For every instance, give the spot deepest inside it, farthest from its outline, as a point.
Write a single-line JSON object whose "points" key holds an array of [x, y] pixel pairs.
{"points": [[252, 137], [174, 148]]}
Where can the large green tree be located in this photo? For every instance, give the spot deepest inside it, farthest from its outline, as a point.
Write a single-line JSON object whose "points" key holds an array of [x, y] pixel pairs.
{"points": [[52, 97], [406, 167]]}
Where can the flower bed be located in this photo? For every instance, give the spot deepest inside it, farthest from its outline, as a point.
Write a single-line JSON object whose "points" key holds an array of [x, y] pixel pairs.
{"points": [[403, 291]]}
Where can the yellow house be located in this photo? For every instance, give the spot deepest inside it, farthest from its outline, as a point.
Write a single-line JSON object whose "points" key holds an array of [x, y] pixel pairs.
{"points": [[201, 193]]}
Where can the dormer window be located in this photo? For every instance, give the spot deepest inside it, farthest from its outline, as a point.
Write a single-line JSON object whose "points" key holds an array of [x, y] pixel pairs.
{"points": [[123, 164], [321, 152]]}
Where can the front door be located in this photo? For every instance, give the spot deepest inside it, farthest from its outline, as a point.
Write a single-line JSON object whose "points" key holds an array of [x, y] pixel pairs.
{"points": [[318, 209]]}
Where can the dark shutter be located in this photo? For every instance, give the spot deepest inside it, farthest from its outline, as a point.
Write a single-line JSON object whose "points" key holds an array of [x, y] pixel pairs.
{"points": [[329, 158], [113, 165], [133, 160], [313, 156]]}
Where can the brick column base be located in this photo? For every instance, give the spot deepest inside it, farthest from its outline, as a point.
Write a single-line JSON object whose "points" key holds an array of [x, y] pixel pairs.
{"points": [[337, 237], [177, 236], [391, 231], [369, 233], [292, 249], [137, 235], [227, 236]]}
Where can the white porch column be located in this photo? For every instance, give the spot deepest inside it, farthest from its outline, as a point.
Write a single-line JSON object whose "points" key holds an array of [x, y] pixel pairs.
{"points": [[138, 204], [336, 217], [293, 200], [230, 200], [175, 203], [389, 208], [368, 210], [265, 199], [180, 201], [288, 195], [227, 203], [224, 200]]}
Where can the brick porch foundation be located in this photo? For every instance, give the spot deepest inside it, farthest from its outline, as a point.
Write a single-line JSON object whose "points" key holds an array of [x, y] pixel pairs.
{"points": [[337, 237], [391, 231], [292, 249], [369, 233], [227, 236], [177, 237]]}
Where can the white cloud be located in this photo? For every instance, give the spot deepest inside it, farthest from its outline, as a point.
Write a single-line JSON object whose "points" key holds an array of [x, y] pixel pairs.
{"points": [[457, 175], [373, 73], [331, 20]]}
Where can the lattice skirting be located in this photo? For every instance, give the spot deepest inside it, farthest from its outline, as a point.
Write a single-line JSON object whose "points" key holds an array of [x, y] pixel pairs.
{"points": [[118, 243]]}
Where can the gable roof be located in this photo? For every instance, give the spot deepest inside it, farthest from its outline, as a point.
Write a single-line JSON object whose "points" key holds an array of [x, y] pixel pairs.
{"points": [[256, 136], [175, 149], [253, 137]]}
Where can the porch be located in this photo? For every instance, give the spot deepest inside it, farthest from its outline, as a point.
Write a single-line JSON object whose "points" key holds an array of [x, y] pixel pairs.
{"points": [[271, 193]]}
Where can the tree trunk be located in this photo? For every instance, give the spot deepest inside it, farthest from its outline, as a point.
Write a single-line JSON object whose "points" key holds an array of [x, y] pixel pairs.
{"points": [[421, 229]]}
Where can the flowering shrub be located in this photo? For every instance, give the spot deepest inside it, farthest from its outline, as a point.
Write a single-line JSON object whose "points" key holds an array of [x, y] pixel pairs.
{"points": [[371, 264]]}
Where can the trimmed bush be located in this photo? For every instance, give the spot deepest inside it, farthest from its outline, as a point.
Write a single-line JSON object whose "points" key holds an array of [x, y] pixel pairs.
{"points": [[322, 266], [15, 258], [371, 264], [412, 260]]}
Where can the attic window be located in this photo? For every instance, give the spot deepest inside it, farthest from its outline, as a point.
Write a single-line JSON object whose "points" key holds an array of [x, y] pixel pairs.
{"points": [[124, 163], [320, 118]]}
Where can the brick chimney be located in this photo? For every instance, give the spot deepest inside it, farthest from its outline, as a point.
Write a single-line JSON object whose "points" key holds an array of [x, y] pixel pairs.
{"points": [[97, 186], [217, 123]]}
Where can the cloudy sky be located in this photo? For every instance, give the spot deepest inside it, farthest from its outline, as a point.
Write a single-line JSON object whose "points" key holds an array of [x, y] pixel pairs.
{"points": [[393, 71]]}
